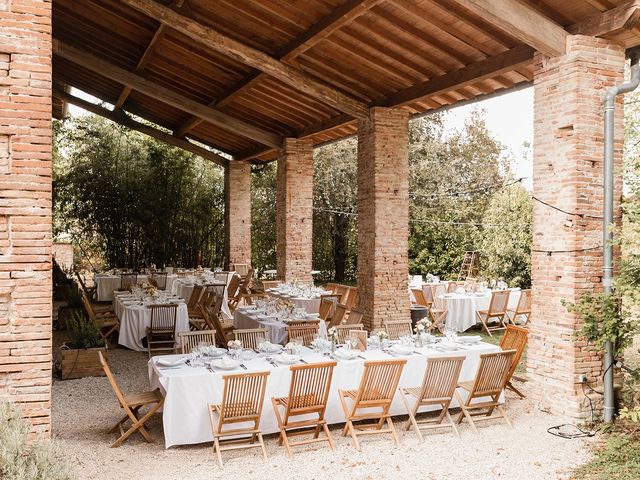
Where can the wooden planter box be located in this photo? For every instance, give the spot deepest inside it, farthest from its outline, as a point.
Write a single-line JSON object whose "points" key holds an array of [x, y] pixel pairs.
{"points": [[78, 363]]}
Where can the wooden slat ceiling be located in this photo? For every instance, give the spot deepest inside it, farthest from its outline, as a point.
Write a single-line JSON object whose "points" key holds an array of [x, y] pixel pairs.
{"points": [[369, 50]]}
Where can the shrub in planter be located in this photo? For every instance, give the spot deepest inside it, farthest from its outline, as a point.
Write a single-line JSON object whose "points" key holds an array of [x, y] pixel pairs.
{"points": [[24, 459], [80, 355]]}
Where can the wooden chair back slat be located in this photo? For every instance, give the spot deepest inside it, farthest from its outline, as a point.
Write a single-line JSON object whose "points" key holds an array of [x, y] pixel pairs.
{"points": [[195, 296], [379, 382], [420, 297], [221, 277], [491, 377], [191, 340], [524, 303], [354, 317], [242, 397], [251, 337], [240, 268], [514, 338], [352, 298], [441, 377], [309, 389], [342, 291], [344, 329], [128, 279], [211, 312], [327, 304], [338, 315], [112, 380], [499, 303], [163, 317], [305, 331], [397, 328]]}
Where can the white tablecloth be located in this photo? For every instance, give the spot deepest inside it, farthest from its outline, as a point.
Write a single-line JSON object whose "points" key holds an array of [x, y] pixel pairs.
{"points": [[106, 284], [188, 390], [462, 307], [183, 287], [134, 320], [277, 329]]}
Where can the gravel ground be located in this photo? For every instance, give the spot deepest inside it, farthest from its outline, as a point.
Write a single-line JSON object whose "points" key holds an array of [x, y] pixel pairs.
{"points": [[84, 410]]}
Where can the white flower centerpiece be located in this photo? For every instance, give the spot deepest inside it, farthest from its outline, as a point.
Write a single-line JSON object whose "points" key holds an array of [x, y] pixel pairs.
{"points": [[332, 334], [422, 332]]}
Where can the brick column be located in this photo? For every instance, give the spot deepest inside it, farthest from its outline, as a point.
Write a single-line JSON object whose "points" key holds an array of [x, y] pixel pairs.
{"points": [[237, 213], [383, 216], [294, 210], [568, 173], [25, 208]]}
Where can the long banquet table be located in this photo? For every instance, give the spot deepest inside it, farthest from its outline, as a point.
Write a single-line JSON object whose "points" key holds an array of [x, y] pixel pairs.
{"points": [[135, 318], [188, 390], [276, 328], [107, 284]]}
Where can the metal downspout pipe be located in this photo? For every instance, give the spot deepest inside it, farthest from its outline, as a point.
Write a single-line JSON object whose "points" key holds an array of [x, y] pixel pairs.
{"points": [[607, 223]]}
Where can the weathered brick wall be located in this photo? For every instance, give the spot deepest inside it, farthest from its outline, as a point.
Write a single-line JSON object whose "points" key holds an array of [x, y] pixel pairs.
{"points": [[25, 207], [568, 172], [237, 211], [63, 254], [383, 216], [294, 210]]}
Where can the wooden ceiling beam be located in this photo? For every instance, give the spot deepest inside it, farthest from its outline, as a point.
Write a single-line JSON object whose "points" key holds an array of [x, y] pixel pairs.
{"points": [[247, 55], [611, 22], [165, 95], [341, 16], [522, 22], [120, 117], [490, 67], [146, 56]]}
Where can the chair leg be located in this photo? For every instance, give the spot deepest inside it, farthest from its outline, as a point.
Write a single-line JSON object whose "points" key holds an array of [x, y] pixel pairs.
{"points": [[465, 413], [216, 450], [286, 443], [264, 450], [328, 434], [514, 389], [453, 424], [354, 435], [412, 418], [396, 441], [501, 411]]}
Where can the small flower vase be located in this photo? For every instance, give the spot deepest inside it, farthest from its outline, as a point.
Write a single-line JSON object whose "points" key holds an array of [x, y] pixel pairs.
{"points": [[333, 345], [418, 341]]}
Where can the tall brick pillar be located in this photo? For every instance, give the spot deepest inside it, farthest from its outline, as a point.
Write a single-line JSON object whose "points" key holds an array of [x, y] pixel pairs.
{"points": [[237, 212], [383, 216], [294, 210], [568, 173], [25, 208]]}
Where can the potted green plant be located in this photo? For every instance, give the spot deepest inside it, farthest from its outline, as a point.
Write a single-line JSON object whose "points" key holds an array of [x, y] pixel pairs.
{"points": [[73, 300], [80, 355]]}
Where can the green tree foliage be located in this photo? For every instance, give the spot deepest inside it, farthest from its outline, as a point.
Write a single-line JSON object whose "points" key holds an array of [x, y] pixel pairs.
{"points": [[136, 200], [263, 217], [505, 241]]}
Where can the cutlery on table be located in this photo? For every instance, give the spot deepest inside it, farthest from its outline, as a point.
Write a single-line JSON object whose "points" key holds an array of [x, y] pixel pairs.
{"points": [[243, 366]]}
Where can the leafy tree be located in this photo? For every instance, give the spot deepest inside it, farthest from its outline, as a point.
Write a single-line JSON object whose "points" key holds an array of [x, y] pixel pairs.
{"points": [[263, 217], [505, 242], [135, 200]]}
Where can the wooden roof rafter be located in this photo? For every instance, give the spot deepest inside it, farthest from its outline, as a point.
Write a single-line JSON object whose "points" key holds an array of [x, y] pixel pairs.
{"points": [[166, 95], [120, 117], [335, 20], [247, 55]]}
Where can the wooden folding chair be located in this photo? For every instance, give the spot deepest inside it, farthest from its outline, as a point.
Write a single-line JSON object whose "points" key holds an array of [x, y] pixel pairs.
{"points": [[343, 330], [420, 298], [127, 280], [161, 332], [397, 328], [240, 268], [378, 385], [489, 381], [89, 292], [196, 322], [131, 403], [438, 317], [327, 305], [438, 386], [191, 340], [221, 277], [234, 294], [305, 332], [211, 313], [523, 309], [352, 298], [342, 291], [354, 317], [338, 315], [159, 280], [308, 394], [242, 400], [331, 287], [105, 321], [251, 337], [497, 311], [514, 338], [453, 286]]}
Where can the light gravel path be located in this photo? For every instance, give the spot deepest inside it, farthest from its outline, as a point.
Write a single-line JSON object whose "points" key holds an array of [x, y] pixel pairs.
{"points": [[84, 409]]}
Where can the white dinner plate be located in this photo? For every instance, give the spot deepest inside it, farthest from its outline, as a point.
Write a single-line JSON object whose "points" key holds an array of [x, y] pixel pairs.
{"points": [[225, 364], [287, 359], [167, 362]]}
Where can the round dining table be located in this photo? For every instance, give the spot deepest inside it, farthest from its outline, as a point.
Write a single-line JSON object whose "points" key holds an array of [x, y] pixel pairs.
{"points": [[462, 307]]}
